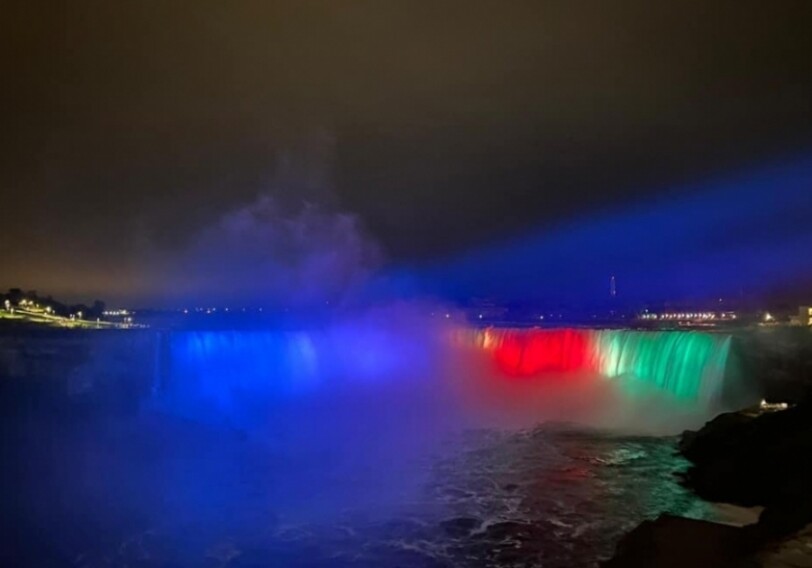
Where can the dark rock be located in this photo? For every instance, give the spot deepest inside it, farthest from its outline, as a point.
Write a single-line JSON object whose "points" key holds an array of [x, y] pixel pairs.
{"points": [[460, 526], [749, 458], [756, 458], [678, 542], [785, 516], [719, 433]]}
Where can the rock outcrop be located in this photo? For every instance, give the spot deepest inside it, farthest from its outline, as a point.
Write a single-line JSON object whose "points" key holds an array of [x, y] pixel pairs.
{"points": [[756, 458], [677, 542]]}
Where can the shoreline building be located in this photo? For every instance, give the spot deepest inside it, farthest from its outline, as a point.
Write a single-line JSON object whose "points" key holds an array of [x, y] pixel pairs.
{"points": [[804, 317]]}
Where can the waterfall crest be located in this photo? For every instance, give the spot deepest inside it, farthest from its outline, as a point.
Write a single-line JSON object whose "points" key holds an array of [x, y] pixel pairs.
{"points": [[688, 364], [221, 366]]}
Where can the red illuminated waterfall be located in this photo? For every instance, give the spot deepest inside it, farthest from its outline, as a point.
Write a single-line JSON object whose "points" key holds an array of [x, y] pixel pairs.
{"points": [[688, 364], [528, 352]]}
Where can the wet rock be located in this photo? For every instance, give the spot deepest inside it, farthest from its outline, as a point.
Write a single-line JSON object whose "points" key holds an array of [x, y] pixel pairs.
{"points": [[755, 458], [792, 552], [718, 434], [677, 542]]}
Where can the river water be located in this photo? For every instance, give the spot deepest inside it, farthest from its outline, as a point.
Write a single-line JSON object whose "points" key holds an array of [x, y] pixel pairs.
{"points": [[170, 494]]}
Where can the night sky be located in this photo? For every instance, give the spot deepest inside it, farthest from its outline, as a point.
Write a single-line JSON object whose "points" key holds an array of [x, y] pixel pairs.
{"points": [[131, 128]]}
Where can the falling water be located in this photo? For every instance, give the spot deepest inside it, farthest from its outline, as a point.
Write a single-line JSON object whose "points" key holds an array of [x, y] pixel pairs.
{"points": [[687, 364], [217, 366]]}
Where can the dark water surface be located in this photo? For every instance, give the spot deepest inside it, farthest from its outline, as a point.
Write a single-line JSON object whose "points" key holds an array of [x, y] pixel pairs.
{"points": [[158, 491]]}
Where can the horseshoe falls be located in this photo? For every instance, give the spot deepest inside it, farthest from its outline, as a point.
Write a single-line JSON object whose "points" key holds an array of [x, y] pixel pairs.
{"points": [[223, 367], [689, 365]]}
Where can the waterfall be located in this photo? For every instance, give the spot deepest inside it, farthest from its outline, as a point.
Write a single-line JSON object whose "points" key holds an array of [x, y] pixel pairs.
{"points": [[221, 367], [217, 368], [688, 364], [243, 359]]}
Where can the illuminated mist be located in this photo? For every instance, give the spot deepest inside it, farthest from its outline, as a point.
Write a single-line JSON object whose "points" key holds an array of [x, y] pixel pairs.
{"points": [[267, 254]]}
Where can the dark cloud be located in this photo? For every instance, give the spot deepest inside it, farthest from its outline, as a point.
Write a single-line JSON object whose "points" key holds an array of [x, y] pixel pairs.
{"points": [[454, 123]]}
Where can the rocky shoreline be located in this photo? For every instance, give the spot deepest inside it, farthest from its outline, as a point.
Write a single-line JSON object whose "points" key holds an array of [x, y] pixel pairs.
{"points": [[755, 457]]}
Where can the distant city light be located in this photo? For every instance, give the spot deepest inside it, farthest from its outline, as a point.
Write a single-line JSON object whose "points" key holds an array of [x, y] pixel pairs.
{"points": [[116, 313], [687, 316]]}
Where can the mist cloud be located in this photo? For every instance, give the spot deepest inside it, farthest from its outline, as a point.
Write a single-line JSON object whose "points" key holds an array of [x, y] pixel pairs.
{"points": [[265, 253]]}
